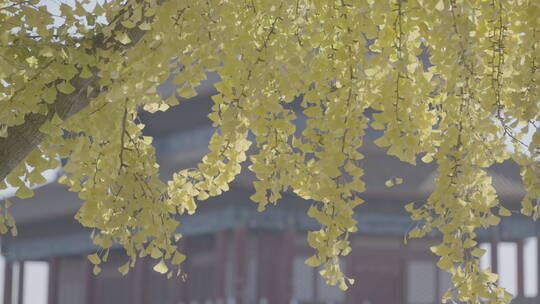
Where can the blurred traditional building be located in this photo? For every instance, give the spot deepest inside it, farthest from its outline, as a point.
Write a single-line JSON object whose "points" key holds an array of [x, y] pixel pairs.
{"points": [[237, 255]]}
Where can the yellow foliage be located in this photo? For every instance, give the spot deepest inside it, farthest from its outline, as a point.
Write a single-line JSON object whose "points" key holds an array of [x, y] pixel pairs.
{"points": [[480, 88]]}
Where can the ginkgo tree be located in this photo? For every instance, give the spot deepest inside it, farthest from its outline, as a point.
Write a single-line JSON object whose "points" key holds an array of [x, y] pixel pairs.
{"points": [[72, 85]]}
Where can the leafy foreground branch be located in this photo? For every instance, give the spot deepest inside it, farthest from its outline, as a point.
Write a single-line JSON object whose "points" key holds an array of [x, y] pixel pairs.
{"points": [[75, 90]]}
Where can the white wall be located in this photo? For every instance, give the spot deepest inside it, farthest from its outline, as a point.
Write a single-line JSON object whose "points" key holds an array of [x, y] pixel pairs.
{"points": [[35, 282]]}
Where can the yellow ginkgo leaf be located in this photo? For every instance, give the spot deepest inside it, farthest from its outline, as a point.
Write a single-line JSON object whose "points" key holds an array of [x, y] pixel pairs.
{"points": [[504, 212], [94, 258], [124, 269], [161, 267], [24, 192]]}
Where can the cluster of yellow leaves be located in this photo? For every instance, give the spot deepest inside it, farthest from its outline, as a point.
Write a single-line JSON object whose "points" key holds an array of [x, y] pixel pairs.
{"points": [[447, 80]]}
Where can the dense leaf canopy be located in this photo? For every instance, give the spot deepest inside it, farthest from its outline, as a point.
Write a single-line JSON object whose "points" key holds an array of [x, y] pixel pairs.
{"points": [[448, 81]]}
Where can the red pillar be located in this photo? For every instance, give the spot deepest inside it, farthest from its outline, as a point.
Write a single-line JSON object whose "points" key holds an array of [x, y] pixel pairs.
{"points": [[139, 282], [90, 292], [494, 254], [270, 255], [520, 270], [287, 258], [220, 262], [240, 251], [8, 277], [182, 294], [538, 266], [266, 266], [438, 294], [20, 299], [54, 267]]}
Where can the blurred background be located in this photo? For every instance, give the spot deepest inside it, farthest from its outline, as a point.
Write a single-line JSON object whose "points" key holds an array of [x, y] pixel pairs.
{"points": [[237, 255]]}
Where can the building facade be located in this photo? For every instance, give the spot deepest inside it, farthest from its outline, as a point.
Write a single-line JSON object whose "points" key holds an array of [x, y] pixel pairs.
{"points": [[237, 255]]}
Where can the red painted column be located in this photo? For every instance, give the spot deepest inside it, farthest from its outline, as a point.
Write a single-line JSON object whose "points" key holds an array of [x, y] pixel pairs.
{"points": [[220, 262], [315, 277], [438, 294], [8, 278], [182, 294], [287, 258], [240, 251], [402, 266], [494, 254], [262, 278], [520, 270], [20, 299], [54, 268], [139, 282], [538, 266], [91, 290], [270, 274]]}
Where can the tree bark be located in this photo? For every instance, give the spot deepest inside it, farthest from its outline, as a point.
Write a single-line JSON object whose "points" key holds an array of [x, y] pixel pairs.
{"points": [[23, 139]]}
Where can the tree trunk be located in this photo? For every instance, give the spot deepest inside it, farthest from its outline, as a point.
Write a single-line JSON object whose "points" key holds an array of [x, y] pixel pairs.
{"points": [[23, 139]]}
